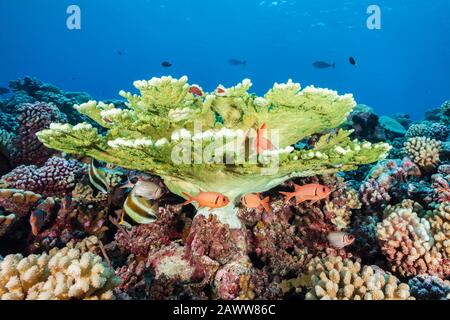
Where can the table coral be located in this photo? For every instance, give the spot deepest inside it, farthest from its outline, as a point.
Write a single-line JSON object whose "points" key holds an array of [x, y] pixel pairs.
{"points": [[146, 134], [423, 151], [57, 177], [334, 278], [61, 274]]}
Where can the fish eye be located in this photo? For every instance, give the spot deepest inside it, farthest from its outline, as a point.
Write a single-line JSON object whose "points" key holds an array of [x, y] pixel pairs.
{"points": [[324, 189]]}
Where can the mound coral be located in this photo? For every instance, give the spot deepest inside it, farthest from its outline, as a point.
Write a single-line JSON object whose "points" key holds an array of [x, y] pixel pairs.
{"points": [[423, 151], [62, 274], [334, 278], [147, 136], [57, 177], [24, 147]]}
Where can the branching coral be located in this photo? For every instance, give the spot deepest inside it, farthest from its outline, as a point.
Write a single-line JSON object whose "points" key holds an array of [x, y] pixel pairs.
{"points": [[440, 225], [407, 242], [62, 274], [57, 177], [147, 137], [386, 181], [334, 278], [423, 151]]}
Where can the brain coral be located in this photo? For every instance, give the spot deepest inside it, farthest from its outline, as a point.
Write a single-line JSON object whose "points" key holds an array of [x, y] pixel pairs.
{"points": [[423, 151], [334, 278], [62, 274]]}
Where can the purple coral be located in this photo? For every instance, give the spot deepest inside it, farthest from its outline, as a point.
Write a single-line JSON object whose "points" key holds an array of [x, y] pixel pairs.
{"points": [[33, 118], [57, 177]]}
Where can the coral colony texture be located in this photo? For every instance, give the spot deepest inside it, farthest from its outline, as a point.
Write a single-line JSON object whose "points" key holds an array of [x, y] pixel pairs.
{"points": [[168, 194]]}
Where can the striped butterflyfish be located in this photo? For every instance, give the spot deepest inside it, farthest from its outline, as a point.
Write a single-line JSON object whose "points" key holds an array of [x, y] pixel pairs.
{"points": [[140, 209], [97, 178]]}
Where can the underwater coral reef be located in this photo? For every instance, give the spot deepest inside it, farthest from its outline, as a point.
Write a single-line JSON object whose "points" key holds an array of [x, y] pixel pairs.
{"points": [[179, 193]]}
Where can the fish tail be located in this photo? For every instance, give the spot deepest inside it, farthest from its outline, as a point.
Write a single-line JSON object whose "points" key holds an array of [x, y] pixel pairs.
{"points": [[265, 204], [334, 65], [190, 198], [244, 63], [288, 196]]}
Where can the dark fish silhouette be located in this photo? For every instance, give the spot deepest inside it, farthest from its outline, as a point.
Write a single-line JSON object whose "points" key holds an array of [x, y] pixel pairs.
{"points": [[352, 61], [166, 64], [3, 90], [119, 53], [236, 62], [323, 65]]}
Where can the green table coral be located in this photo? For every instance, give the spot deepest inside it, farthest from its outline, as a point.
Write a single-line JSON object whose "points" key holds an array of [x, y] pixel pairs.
{"points": [[199, 142]]}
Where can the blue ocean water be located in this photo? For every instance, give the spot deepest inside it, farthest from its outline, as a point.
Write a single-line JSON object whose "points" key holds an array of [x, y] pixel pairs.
{"points": [[403, 67]]}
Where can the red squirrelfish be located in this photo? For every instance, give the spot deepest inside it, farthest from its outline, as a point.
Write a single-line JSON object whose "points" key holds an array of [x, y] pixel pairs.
{"points": [[253, 201], [310, 192], [210, 200], [339, 239], [262, 144]]}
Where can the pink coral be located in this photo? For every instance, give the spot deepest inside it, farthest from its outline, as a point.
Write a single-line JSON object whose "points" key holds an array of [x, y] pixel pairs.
{"points": [[144, 238]]}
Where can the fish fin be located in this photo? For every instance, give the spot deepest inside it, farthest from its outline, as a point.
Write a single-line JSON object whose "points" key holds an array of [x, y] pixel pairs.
{"points": [[299, 200], [190, 198], [265, 204], [263, 126], [288, 196], [314, 201]]}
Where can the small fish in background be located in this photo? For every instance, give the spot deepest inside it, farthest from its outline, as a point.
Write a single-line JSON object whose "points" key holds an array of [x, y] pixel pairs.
{"points": [[236, 62], [3, 91], [37, 220], [166, 64], [352, 61], [209, 200], [340, 240], [119, 53], [253, 201], [73, 78], [97, 178], [310, 192], [140, 209], [196, 90], [323, 65]]}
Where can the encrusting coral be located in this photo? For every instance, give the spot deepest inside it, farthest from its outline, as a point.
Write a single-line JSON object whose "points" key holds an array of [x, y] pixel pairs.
{"points": [[147, 136], [62, 274], [427, 287], [334, 278]]}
